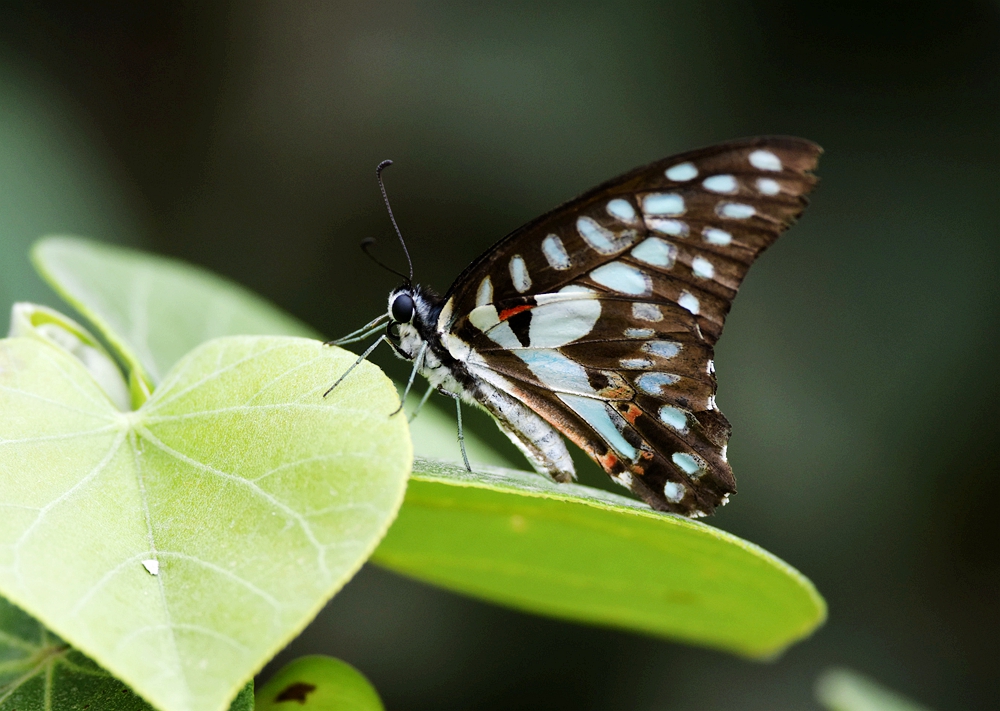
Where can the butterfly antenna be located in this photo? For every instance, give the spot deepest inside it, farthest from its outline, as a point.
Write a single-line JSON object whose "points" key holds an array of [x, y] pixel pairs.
{"points": [[368, 242], [378, 174]]}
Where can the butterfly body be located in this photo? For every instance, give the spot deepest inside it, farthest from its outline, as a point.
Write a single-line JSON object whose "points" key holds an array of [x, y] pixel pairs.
{"points": [[597, 321]]}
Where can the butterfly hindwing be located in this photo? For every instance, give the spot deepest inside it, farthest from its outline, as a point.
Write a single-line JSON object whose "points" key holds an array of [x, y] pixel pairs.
{"points": [[602, 314]]}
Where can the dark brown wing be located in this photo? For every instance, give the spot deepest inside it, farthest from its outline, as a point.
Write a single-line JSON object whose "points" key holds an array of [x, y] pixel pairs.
{"points": [[612, 304]]}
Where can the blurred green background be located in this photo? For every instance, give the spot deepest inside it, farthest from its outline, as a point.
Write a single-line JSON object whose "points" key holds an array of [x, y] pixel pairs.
{"points": [[857, 366]]}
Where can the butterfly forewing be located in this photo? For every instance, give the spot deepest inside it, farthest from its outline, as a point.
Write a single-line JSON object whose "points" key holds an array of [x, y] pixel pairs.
{"points": [[602, 315]]}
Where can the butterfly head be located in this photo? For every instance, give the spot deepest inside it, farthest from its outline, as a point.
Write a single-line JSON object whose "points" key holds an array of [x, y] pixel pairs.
{"points": [[411, 314]]}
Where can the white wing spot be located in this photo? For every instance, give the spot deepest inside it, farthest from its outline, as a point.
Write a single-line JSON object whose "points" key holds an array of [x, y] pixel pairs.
{"points": [[725, 184], [623, 278], [484, 295], [635, 363], [654, 383], [558, 319], [710, 367], [519, 273], [689, 302], [735, 210], [666, 226], [765, 160], [711, 403], [638, 332], [624, 478], [656, 252], [702, 268], [621, 209], [716, 236], [555, 252], [664, 349], [768, 187], [682, 172], [663, 204], [674, 418], [152, 566], [725, 449], [673, 491], [647, 312], [688, 463]]}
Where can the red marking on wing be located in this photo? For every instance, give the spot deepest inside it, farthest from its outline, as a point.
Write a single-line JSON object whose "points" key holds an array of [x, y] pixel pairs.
{"points": [[513, 311], [632, 413], [608, 461]]}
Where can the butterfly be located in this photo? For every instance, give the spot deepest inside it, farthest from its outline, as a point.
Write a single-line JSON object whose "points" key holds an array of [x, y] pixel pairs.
{"points": [[597, 321]]}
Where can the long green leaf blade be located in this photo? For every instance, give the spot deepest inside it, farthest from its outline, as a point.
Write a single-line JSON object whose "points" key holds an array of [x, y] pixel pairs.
{"points": [[582, 554]]}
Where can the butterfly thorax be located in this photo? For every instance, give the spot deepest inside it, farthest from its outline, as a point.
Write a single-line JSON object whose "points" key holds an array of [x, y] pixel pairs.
{"points": [[408, 339]]}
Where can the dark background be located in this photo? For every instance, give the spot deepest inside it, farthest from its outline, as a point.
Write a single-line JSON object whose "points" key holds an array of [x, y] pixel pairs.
{"points": [[859, 365]]}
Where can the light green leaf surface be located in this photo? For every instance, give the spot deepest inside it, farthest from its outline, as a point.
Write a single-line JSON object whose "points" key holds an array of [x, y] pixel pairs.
{"points": [[845, 690], [318, 683], [583, 554], [40, 672], [152, 309], [181, 545]]}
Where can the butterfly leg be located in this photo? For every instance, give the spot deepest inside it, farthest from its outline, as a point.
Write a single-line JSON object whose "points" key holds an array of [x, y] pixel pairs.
{"points": [[362, 333], [420, 404], [461, 432], [355, 365], [417, 362]]}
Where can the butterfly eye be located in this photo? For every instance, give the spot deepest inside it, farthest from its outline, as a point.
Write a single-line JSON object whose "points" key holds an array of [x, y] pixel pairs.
{"points": [[402, 308]]}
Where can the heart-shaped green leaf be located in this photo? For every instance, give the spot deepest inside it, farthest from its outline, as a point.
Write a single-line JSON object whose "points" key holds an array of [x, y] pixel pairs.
{"points": [[583, 554], [153, 310], [182, 544], [318, 683], [40, 672]]}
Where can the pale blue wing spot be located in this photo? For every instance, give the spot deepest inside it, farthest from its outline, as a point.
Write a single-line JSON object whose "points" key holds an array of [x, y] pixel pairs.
{"points": [[646, 312], [623, 278], [600, 238], [735, 210], [702, 268], [556, 371], [639, 332], [674, 418], [655, 252], [663, 204], [682, 172], [666, 226], [716, 236], [664, 349], [484, 295], [635, 363], [654, 383], [555, 252], [725, 184], [621, 209], [689, 302], [765, 160], [768, 187], [519, 273], [673, 492], [688, 464], [595, 413]]}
